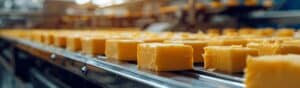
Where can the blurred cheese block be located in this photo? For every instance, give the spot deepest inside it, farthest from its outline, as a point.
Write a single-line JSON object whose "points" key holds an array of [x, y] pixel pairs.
{"points": [[37, 37], [93, 45], [279, 71], [265, 48], [227, 41], [250, 2], [74, 43], [48, 38], [247, 31], [228, 59], [275, 48], [198, 47], [232, 3], [213, 31], [230, 32], [265, 32], [215, 4], [124, 50], [285, 32], [60, 40], [164, 57]]}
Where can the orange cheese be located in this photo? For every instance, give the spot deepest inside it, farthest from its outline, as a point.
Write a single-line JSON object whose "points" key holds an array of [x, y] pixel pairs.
{"points": [[227, 41], [124, 50], [74, 43], [164, 57], [60, 40], [285, 32], [48, 38], [198, 47], [93, 45], [228, 59], [279, 71], [275, 48]]}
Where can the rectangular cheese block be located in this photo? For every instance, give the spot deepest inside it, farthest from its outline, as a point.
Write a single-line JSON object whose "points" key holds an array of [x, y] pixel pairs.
{"points": [[164, 57], [265, 48], [60, 40], [124, 50], [37, 37], [74, 43], [275, 48], [93, 45], [48, 38], [285, 32], [198, 47], [228, 59], [227, 42], [278, 71]]}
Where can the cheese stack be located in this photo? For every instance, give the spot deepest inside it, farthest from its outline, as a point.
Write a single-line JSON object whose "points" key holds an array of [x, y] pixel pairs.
{"points": [[279, 71], [228, 59], [164, 57]]}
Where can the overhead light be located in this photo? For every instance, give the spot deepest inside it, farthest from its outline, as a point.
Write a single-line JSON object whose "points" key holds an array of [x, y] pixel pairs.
{"points": [[80, 2]]}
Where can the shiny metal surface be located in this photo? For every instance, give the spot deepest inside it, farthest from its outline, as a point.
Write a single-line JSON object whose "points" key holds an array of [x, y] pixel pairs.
{"points": [[179, 79]]}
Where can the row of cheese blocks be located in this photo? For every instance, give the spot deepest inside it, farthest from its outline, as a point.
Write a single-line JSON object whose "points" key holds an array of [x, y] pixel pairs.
{"points": [[264, 32], [267, 61], [216, 53]]}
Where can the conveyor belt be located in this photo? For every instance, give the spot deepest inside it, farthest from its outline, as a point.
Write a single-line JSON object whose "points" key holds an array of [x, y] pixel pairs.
{"points": [[190, 78]]}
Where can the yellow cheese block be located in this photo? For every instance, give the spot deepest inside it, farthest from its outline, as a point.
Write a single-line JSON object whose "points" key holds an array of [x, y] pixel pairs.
{"points": [[198, 47], [124, 50], [37, 37], [93, 45], [227, 41], [285, 32], [228, 59], [74, 43], [265, 48], [275, 48], [164, 57], [60, 40], [246, 31], [286, 48], [279, 71], [48, 38]]}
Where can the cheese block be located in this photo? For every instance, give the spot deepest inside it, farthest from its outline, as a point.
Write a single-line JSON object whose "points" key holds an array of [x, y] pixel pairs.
{"points": [[278, 71], [227, 41], [198, 47], [48, 38], [246, 31], [124, 50], [230, 32], [275, 48], [37, 37], [266, 32], [228, 59], [287, 48], [213, 31], [93, 45], [265, 48], [74, 43], [164, 57], [60, 40], [285, 32]]}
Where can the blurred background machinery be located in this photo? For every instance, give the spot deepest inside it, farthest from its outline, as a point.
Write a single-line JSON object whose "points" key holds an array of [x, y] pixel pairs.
{"points": [[175, 15]]}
